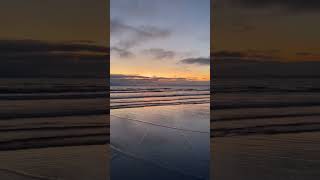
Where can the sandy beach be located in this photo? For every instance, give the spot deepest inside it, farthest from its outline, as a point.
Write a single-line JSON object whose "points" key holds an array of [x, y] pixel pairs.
{"points": [[54, 133], [268, 136], [267, 157]]}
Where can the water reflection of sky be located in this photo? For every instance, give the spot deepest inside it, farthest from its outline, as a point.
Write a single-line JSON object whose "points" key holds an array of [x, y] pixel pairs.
{"points": [[162, 142]]}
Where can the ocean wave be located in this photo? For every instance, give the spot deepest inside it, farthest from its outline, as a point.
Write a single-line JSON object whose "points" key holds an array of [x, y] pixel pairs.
{"points": [[257, 117], [263, 105], [159, 100], [133, 97], [262, 89], [158, 104], [157, 95], [267, 129], [43, 90], [70, 95], [55, 141], [18, 116], [147, 90]]}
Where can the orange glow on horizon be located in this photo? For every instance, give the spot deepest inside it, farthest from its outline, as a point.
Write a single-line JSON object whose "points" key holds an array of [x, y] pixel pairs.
{"points": [[142, 67], [159, 75]]}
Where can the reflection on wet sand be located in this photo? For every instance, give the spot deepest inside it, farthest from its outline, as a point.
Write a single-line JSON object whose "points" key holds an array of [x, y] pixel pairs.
{"points": [[162, 141], [53, 136], [265, 135]]}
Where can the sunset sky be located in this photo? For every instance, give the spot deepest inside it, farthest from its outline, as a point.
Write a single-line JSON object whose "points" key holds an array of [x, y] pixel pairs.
{"points": [[54, 20], [266, 37], [160, 38], [54, 38]]}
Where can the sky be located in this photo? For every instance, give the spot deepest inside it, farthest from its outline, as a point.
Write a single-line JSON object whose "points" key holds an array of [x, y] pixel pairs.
{"points": [[54, 38], [160, 39], [168, 39], [268, 38]]}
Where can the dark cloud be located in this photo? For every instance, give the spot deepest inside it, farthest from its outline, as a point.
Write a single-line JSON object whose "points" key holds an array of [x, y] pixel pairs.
{"points": [[308, 54], [32, 58], [118, 27], [257, 64], [291, 5], [127, 36], [123, 76], [137, 80], [228, 54], [123, 53], [159, 53], [34, 46], [249, 55], [303, 54], [270, 51], [197, 61]]}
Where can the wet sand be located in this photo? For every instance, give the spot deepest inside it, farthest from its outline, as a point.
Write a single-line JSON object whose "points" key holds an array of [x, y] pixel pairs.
{"points": [[73, 162], [160, 142], [154, 140], [267, 136], [266, 157], [29, 124], [60, 135]]}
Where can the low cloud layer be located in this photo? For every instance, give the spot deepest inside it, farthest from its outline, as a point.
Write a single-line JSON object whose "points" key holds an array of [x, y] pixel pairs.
{"points": [[197, 61], [255, 64], [249, 55], [290, 5], [32, 58], [34, 46]]}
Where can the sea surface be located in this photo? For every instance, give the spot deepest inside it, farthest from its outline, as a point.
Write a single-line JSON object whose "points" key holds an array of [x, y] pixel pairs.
{"points": [[160, 132], [265, 128]]}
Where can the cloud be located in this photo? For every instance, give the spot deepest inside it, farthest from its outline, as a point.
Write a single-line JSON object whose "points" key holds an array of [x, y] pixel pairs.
{"points": [[311, 56], [135, 8], [34, 46], [33, 58], [123, 53], [117, 27], [241, 56], [198, 61], [127, 36], [228, 54], [137, 80], [158, 53], [304, 54], [257, 64], [290, 5]]}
